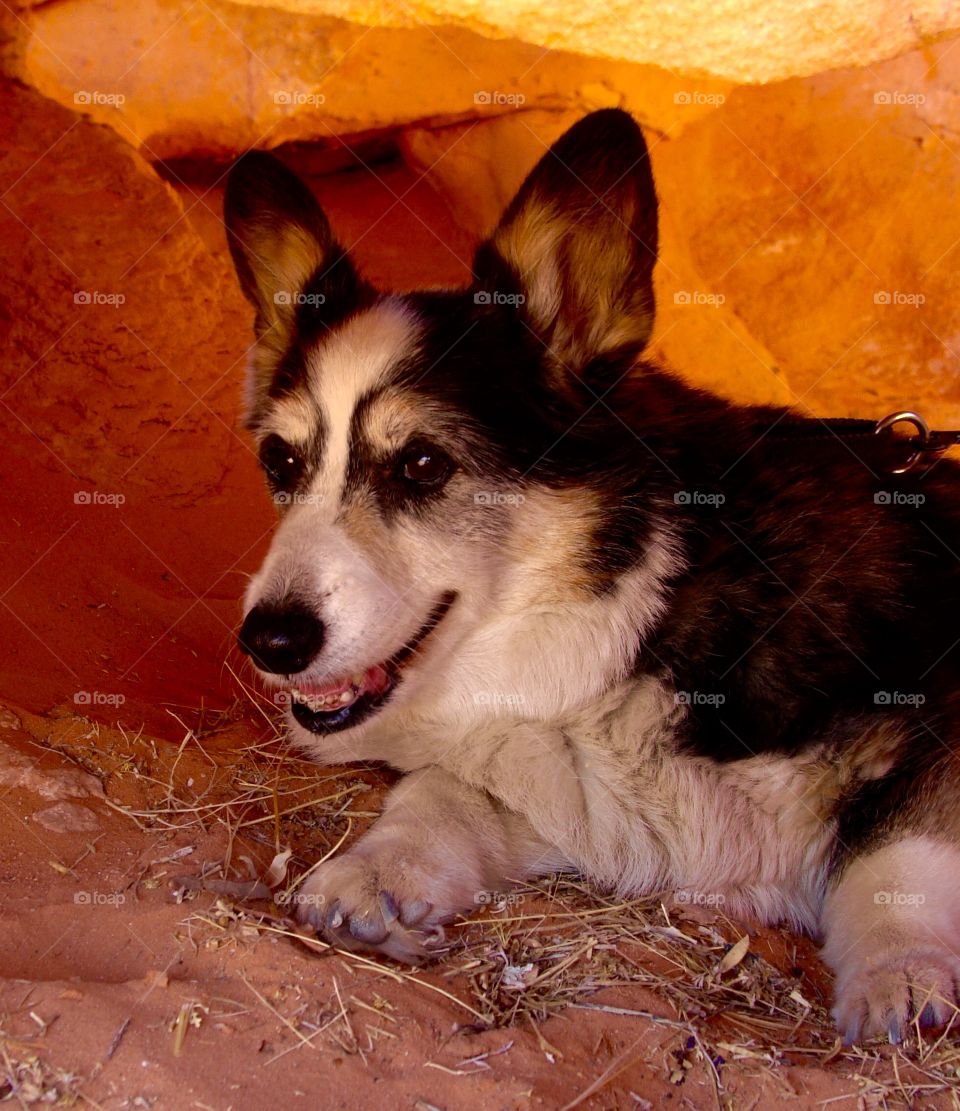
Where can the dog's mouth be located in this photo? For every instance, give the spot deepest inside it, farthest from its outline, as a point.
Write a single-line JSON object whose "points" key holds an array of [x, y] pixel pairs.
{"points": [[344, 703]]}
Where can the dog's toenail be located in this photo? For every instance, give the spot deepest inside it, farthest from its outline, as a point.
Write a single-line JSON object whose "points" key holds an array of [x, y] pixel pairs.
{"points": [[334, 917], [852, 1031], [435, 937], [388, 907]]}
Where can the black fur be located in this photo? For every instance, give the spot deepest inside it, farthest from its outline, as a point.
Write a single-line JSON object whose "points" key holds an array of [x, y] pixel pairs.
{"points": [[803, 592]]}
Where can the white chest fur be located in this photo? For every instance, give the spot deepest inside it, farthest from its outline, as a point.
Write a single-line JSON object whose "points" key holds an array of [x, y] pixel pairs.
{"points": [[609, 788]]}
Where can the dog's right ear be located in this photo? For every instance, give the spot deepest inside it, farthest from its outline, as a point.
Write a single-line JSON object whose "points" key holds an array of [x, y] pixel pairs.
{"points": [[575, 250], [290, 267]]}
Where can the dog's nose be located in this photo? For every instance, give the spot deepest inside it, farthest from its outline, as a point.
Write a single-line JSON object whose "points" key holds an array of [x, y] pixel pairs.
{"points": [[281, 639]]}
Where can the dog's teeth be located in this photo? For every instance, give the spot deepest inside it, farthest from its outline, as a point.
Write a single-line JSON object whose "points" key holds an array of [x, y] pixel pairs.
{"points": [[334, 700], [357, 679]]}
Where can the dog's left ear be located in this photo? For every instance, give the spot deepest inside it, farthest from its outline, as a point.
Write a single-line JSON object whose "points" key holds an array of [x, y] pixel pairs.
{"points": [[576, 247]]}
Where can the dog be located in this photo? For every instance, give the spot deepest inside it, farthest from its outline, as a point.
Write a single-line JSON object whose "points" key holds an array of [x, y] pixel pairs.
{"points": [[603, 621]]}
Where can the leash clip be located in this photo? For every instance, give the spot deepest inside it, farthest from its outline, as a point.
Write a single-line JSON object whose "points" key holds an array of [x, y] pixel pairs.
{"points": [[925, 442]]}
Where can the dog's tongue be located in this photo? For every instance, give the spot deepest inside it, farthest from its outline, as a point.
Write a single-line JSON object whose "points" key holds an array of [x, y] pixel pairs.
{"points": [[371, 681]]}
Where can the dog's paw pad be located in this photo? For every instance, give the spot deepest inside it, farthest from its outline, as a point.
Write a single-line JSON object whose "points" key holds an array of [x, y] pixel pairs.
{"points": [[885, 998]]}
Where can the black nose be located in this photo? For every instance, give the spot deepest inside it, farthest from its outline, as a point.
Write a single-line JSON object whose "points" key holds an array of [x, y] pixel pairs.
{"points": [[281, 638]]}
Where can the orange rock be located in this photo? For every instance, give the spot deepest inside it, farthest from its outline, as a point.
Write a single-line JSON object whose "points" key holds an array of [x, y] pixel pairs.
{"points": [[825, 211], [477, 167], [809, 233], [739, 41], [178, 78], [114, 296]]}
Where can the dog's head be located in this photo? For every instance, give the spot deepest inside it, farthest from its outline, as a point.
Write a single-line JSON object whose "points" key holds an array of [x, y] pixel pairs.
{"points": [[434, 456]]}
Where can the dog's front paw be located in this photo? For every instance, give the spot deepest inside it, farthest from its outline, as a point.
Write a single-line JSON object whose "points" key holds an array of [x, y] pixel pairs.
{"points": [[369, 900], [884, 995]]}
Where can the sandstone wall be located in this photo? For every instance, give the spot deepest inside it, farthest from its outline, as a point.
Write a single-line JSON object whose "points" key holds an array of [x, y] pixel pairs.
{"points": [[810, 254]]}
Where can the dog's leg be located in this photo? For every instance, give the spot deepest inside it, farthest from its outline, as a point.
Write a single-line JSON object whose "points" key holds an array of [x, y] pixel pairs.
{"points": [[892, 936], [439, 848]]}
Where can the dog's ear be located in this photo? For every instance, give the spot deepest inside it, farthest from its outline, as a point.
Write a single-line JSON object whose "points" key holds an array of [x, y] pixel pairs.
{"points": [[576, 247], [284, 252]]}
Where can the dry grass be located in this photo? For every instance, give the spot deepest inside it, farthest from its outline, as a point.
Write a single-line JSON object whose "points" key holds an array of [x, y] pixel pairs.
{"points": [[27, 1080], [515, 970], [544, 949], [704, 980], [263, 796]]}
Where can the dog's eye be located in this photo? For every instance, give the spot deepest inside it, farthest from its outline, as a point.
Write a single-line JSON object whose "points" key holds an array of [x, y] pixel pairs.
{"points": [[281, 462], [425, 465]]}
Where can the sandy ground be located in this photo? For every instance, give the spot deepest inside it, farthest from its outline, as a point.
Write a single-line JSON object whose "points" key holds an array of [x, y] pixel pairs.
{"points": [[120, 984], [126, 980], [119, 988]]}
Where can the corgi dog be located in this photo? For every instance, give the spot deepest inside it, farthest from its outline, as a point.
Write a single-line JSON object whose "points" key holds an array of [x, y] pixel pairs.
{"points": [[603, 621]]}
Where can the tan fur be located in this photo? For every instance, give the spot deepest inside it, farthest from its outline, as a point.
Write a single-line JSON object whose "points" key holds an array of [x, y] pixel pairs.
{"points": [[391, 421], [548, 547], [293, 418], [285, 256], [532, 243]]}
